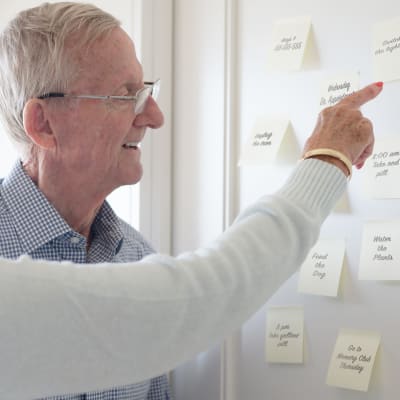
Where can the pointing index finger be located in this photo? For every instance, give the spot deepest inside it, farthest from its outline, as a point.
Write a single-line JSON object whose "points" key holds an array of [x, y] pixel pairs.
{"points": [[362, 96]]}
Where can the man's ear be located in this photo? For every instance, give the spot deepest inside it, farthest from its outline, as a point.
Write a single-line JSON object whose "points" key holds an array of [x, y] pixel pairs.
{"points": [[36, 124]]}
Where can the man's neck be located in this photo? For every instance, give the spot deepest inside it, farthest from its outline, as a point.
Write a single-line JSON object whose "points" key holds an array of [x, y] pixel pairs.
{"points": [[76, 202]]}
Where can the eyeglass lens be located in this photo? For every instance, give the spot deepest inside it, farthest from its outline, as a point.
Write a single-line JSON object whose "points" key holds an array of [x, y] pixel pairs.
{"points": [[143, 96]]}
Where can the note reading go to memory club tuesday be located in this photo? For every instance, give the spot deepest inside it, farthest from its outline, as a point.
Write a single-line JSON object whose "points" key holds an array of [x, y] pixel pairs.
{"points": [[284, 336], [289, 41], [265, 140], [380, 251], [353, 359], [386, 50], [320, 273], [336, 87], [382, 170]]}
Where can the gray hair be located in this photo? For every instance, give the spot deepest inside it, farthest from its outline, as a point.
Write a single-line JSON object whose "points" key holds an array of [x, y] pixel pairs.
{"points": [[36, 56]]}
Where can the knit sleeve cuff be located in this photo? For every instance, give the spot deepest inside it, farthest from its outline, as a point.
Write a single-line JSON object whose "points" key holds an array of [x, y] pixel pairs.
{"points": [[315, 183]]}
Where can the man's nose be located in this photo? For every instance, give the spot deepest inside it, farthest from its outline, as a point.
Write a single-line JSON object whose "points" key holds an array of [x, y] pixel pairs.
{"points": [[151, 115]]}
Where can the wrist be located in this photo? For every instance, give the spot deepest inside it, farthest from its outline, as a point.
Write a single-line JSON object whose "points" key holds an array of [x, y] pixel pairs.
{"points": [[333, 157]]}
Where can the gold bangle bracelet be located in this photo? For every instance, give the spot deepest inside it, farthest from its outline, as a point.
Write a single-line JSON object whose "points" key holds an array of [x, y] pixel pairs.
{"points": [[332, 153]]}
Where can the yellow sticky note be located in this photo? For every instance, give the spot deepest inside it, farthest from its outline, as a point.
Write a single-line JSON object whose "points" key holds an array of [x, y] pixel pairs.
{"points": [[265, 140], [289, 41], [334, 88], [353, 359], [382, 170], [320, 272], [380, 251], [386, 50], [284, 338]]}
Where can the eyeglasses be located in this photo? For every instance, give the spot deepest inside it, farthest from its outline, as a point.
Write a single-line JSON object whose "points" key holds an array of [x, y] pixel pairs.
{"points": [[139, 99]]}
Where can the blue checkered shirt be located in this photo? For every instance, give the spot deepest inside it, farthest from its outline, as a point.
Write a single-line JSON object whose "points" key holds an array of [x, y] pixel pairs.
{"points": [[29, 224]]}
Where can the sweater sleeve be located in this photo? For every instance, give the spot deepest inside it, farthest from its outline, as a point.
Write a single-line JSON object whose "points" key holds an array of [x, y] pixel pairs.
{"points": [[69, 328]]}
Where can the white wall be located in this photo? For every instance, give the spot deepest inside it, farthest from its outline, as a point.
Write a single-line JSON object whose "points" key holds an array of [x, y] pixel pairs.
{"points": [[342, 32], [343, 35], [197, 163], [198, 122]]}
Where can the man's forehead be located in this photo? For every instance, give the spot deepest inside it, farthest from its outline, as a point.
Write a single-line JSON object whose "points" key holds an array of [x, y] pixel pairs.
{"points": [[109, 62]]}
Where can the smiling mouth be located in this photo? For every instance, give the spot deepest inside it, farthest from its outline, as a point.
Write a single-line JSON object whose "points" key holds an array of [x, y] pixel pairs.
{"points": [[131, 145]]}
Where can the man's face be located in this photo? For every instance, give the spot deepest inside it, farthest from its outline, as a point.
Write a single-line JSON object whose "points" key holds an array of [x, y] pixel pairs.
{"points": [[91, 134]]}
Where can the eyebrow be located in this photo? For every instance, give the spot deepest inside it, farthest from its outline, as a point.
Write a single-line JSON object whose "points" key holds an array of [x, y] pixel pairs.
{"points": [[132, 87]]}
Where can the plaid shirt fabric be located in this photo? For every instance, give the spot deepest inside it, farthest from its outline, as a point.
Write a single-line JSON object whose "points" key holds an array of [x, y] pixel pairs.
{"points": [[29, 224]]}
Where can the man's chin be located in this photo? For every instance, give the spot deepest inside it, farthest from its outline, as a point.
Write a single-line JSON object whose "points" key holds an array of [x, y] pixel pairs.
{"points": [[134, 178]]}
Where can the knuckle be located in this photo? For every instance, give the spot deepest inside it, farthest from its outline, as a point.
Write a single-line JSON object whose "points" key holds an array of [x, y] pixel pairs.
{"points": [[345, 113], [336, 111], [324, 113], [365, 126]]}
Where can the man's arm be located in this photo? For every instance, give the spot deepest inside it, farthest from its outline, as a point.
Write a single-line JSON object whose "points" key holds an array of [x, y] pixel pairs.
{"points": [[73, 328]]}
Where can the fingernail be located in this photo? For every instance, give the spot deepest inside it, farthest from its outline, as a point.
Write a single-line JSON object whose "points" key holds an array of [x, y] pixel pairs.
{"points": [[379, 84]]}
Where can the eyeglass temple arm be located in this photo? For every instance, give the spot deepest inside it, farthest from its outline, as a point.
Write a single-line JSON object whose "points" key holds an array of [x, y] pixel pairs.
{"points": [[53, 94]]}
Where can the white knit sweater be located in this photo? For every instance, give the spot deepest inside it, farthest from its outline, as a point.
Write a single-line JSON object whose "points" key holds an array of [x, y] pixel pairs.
{"points": [[68, 328]]}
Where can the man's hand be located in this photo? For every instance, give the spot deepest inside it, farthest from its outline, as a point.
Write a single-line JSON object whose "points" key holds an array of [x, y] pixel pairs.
{"points": [[342, 127]]}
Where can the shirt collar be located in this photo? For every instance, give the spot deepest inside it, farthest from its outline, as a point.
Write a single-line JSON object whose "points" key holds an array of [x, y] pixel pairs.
{"points": [[107, 229], [27, 203], [36, 220]]}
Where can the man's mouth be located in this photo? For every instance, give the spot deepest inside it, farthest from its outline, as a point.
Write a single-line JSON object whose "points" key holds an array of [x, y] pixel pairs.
{"points": [[131, 145]]}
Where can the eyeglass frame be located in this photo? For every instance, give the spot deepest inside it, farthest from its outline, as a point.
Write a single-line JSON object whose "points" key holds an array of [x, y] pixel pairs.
{"points": [[150, 89]]}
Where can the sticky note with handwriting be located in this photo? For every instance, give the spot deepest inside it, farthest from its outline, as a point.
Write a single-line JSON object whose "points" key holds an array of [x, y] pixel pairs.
{"points": [[380, 251], [321, 270], [289, 41], [284, 339], [265, 140], [336, 87], [386, 50], [382, 169], [353, 359]]}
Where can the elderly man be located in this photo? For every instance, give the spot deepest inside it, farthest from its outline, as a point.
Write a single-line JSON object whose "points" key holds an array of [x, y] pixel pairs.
{"points": [[75, 150], [73, 98]]}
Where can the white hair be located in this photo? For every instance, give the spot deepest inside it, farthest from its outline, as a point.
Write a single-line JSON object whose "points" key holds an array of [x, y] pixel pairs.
{"points": [[36, 56]]}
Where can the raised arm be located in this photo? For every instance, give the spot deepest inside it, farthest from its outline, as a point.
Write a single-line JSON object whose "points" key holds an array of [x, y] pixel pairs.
{"points": [[72, 328]]}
